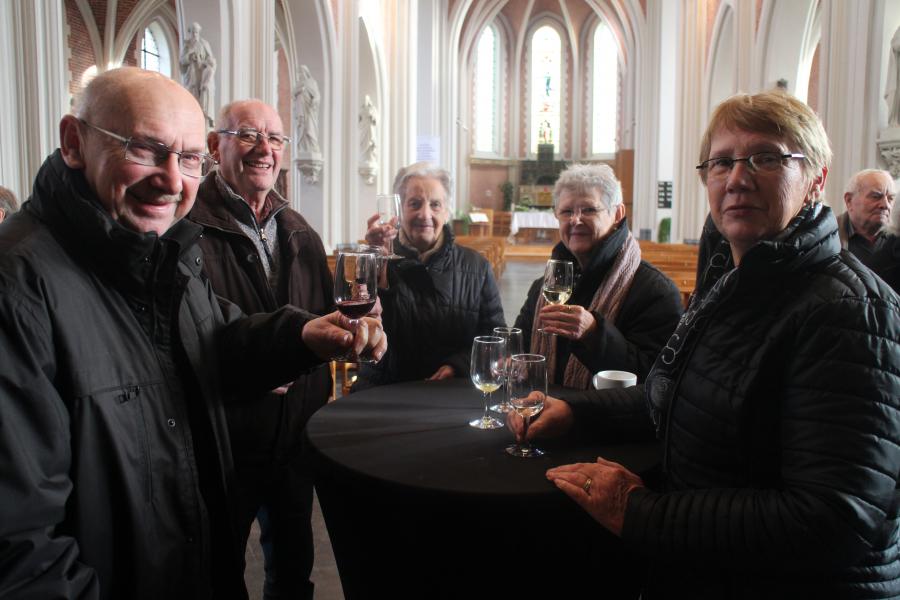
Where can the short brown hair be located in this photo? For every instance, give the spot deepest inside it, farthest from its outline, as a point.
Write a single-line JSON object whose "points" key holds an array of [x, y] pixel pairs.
{"points": [[778, 114]]}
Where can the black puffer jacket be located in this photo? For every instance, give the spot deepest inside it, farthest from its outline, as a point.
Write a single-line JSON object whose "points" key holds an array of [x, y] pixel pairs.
{"points": [[778, 400], [648, 315], [112, 347], [886, 262], [432, 311]]}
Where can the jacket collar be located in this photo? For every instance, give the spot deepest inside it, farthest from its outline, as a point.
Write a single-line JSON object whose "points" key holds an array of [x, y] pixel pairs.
{"points": [[63, 199], [811, 237], [210, 209], [442, 252]]}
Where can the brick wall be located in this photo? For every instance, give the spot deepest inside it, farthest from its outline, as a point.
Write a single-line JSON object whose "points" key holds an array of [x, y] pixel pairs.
{"points": [[81, 55]]}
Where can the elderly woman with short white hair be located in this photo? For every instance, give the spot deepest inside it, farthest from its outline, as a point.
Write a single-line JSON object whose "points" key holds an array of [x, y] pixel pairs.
{"points": [[438, 295], [621, 310]]}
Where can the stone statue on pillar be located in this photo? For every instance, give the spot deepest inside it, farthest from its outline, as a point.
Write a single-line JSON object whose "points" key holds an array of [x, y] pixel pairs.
{"points": [[368, 122], [307, 99], [889, 138], [198, 69]]}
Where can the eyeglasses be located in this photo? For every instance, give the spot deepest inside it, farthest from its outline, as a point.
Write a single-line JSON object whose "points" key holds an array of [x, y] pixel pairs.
{"points": [[154, 154], [252, 137], [586, 212], [764, 162]]}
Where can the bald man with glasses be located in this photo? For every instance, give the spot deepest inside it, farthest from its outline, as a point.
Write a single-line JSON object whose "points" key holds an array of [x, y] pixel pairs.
{"points": [[118, 359]]}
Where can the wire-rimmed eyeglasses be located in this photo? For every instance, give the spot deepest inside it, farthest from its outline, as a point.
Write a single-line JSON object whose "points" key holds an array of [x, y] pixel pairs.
{"points": [[585, 212], [153, 154], [766, 162], [252, 137]]}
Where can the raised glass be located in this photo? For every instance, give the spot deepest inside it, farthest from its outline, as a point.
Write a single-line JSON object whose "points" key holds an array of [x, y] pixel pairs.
{"points": [[487, 371], [355, 291], [513, 337], [559, 277], [389, 214], [528, 390]]}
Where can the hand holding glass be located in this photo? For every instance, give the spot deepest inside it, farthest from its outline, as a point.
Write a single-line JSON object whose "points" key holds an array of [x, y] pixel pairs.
{"points": [[487, 371], [355, 291], [513, 337], [528, 389]]}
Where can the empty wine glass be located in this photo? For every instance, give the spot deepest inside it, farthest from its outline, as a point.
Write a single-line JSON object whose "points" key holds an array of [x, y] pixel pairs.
{"points": [[513, 337], [487, 371], [528, 390], [355, 291], [389, 214]]}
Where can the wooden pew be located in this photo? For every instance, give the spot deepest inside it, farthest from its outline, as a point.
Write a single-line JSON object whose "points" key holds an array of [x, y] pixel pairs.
{"points": [[492, 248]]}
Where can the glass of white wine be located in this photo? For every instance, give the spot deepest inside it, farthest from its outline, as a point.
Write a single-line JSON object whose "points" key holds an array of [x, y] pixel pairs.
{"points": [[389, 214], [487, 371], [559, 278], [513, 337], [528, 390]]}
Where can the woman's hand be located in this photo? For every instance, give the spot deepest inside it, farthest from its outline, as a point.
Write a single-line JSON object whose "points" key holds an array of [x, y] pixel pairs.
{"points": [[555, 420], [381, 235], [443, 372], [568, 320], [600, 488]]}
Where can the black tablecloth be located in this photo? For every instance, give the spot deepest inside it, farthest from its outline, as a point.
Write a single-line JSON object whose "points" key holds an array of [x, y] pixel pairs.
{"points": [[413, 495]]}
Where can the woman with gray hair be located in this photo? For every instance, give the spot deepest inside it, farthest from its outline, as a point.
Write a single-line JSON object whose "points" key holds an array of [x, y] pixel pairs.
{"points": [[439, 295], [621, 310]]}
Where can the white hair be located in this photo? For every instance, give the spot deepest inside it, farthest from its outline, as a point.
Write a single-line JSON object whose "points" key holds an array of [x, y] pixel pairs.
{"points": [[425, 170], [854, 183], [582, 179]]}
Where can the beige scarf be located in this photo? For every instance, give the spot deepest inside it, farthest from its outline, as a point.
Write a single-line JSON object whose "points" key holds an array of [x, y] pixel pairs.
{"points": [[423, 256], [607, 301]]}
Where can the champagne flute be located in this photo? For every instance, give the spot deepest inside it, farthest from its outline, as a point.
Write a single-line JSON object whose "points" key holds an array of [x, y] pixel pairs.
{"points": [[558, 281], [355, 291], [389, 214], [513, 337], [528, 389], [487, 371]]}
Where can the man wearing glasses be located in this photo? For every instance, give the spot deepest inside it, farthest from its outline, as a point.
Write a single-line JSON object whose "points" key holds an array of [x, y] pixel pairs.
{"points": [[261, 254], [116, 359]]}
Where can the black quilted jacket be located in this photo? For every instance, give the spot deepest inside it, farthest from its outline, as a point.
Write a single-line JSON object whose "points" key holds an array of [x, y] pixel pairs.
{"points": [[779, 417], [432, 311]]}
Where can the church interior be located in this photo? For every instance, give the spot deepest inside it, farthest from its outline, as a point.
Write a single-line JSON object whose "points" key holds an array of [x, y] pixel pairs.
{"points": [[504, 94]]}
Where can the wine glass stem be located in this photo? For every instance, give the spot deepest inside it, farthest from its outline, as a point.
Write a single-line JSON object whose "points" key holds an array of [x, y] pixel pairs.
{"points": [[487, 404], [526, 445]]}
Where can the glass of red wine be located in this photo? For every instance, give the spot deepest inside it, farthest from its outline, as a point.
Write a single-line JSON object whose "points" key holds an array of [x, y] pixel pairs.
{"points": [[355, 291]]}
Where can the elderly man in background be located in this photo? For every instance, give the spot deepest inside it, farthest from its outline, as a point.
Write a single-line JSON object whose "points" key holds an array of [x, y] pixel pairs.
{"points": [[8, 203], [117, 471], [869, 199], [261, 254]]}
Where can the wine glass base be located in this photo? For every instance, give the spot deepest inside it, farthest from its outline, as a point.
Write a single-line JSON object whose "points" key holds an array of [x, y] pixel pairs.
{"points": [[502, 408], [524, 452], [486, 423]]}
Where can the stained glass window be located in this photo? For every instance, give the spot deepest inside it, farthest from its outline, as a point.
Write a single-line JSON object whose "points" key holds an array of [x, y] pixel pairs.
{"points": [[546, 85], [605, 75], [487, 83]]}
